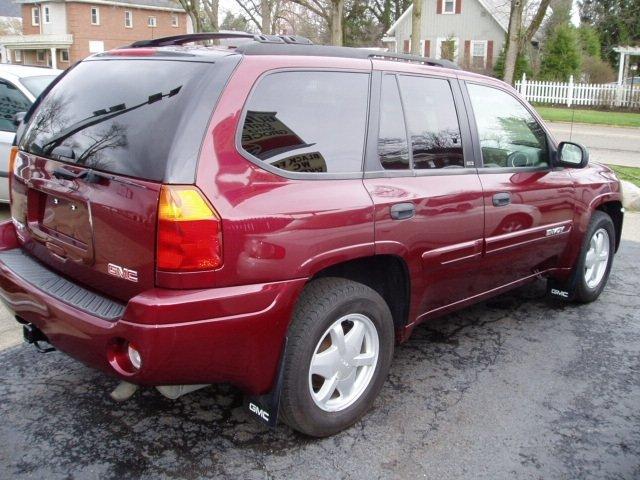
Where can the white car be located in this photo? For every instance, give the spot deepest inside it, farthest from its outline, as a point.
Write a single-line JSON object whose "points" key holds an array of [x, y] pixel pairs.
{"points": [[19, 87]]}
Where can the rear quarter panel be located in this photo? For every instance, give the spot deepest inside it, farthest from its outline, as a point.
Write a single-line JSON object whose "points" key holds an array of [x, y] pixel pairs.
{"points": [[275, 228]]}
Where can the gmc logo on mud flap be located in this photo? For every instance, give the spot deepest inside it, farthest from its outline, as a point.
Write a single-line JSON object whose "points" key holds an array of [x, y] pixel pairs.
{"points": [[258, 411], [559, 293], [121, 272]]}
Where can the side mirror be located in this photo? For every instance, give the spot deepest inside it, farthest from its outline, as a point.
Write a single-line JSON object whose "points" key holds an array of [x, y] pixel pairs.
{"points": [[18, 118], [572, 155]]}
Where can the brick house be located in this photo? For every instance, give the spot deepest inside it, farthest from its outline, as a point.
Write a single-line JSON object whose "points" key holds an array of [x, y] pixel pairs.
{"points": [[58, 33]]}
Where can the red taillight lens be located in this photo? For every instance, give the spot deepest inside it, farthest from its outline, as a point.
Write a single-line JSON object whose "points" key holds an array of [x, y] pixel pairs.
{"points": [[189, 231], [12, 162]]}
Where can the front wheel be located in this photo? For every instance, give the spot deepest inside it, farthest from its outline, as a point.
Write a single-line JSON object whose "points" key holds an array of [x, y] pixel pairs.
{"points": [[338, 355], [596, 258]]}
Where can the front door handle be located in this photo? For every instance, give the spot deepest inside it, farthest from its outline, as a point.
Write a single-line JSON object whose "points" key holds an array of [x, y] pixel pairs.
{"points": [[501, 199], [402, 211]]}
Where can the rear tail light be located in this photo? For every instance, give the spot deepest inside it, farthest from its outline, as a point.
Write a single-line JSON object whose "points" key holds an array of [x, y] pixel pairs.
{"points": [[189, 231], [12, 161]]}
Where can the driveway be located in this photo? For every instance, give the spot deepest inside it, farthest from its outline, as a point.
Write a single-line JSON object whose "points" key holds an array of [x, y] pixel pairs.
{"points": [[519, 387], [612, 145]]}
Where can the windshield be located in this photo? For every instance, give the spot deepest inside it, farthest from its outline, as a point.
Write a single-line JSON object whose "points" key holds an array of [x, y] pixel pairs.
{"points": [[141, 118], [37, 84]]}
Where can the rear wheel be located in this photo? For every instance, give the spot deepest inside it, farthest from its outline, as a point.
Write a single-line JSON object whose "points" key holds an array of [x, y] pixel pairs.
{"points": [[338, 355], [596, 258]]}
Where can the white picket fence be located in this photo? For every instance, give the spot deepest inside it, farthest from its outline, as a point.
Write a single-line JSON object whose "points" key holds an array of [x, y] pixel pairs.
{"points": [[570, 93]]}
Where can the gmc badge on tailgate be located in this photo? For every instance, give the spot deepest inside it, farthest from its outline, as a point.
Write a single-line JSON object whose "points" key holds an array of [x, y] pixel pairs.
{"points": [[121, 272]]}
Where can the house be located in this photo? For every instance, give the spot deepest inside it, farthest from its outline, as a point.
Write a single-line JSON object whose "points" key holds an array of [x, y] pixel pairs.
{"points": [[471, 33], [58, 33]]}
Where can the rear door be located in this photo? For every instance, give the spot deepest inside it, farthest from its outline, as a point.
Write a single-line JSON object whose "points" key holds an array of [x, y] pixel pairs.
{"points": [[93, 158], [529, 204], [424, 184]]}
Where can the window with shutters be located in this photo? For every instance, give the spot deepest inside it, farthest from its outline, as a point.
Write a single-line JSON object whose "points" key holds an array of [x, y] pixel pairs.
{"points": [[478, 54], [449, 6]]}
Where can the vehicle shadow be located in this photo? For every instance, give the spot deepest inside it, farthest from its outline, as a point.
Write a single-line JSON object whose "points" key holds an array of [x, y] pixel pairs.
{"points": [[57, 416]]}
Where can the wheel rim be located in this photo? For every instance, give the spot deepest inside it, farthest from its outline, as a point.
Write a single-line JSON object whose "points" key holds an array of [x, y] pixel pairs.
{"points": [[343, 362], [597, 259]]}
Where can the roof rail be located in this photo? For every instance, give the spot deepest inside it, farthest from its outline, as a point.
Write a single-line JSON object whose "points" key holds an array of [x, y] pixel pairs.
{"points": [[406, 57], [197, 37]]}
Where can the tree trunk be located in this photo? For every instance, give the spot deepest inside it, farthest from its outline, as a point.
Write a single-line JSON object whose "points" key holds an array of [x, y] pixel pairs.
{"points": [[337, 10], [265, 14], [416, 21], [513, 40]]}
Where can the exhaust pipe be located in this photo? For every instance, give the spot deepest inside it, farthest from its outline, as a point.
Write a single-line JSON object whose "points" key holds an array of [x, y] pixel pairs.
{"points": [[176, 391]]}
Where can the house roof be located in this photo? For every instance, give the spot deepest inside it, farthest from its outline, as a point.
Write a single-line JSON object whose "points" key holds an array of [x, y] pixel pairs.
{"points": [[9, 9], [159, 4], [498, 9]]}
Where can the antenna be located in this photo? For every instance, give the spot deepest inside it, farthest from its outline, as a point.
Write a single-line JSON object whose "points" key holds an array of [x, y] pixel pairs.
{"points": [[573, 114]]}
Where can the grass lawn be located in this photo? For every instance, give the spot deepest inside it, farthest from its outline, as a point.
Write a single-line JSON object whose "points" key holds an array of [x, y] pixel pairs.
{"points": [[630, 174], [620, 119]]}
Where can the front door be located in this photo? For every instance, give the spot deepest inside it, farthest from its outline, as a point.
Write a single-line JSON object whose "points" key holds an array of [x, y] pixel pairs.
{"points": [[529, 204], [426, 191]]}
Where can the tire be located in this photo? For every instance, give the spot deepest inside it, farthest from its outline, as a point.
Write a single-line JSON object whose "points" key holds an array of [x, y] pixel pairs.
{"points": [[328, 303], [587, 291]]}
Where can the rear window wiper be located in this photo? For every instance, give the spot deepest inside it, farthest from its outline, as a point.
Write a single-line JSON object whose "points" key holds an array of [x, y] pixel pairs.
{"points": [[100, 116]]}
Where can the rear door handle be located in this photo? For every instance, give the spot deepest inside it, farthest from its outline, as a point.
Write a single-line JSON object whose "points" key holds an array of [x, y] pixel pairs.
{"points": [[402, 211], [501, 199]]}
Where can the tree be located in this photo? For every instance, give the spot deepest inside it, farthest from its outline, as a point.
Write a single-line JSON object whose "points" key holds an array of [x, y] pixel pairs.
{"points": [[233, 22], [264, 14], [589, 41], [617, 23], [203, 14], [519, 35], [562, 55], [331, 11], [416, 21], [522, 66]]}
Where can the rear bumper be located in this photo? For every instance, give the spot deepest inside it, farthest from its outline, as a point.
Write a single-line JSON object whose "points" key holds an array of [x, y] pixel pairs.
{"points": [[231, 334]]}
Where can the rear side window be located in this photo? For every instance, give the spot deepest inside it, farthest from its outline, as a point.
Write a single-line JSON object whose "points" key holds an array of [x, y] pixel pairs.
{"points": [[141, 118], [308, 122], [433, 124], [393, 150]]}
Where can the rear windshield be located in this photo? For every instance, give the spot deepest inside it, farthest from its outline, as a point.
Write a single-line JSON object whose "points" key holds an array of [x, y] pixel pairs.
{"points": [[142, 118]]}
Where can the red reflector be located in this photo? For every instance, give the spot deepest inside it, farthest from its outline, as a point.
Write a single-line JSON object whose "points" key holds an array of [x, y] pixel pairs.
{"points": [[189, 231], [132, 52]]}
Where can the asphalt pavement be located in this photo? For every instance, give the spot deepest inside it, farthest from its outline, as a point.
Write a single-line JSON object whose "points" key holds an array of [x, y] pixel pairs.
{"points": [[518, 387], [611, 145]]}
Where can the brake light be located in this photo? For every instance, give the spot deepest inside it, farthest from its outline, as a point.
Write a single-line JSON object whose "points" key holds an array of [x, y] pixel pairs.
{"points": [[189, 231], [13, 153]]}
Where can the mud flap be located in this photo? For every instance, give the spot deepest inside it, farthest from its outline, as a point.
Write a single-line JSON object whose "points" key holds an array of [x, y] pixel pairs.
{"points": [[265, 407], [563, 290]]}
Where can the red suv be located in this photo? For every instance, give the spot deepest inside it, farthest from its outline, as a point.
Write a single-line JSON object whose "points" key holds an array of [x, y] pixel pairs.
{"points": [[279, 215]]}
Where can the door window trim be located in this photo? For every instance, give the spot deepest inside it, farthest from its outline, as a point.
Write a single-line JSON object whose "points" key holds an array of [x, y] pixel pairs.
{"points": [[373, 167], [303, 175], [551, 145]]}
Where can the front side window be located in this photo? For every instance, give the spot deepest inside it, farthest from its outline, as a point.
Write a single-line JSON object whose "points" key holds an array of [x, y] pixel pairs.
{"points": [[35, 16], [311, 122], [95, 16], [393, 150], [432, 122], [509, 135], [449, 6], [12, 101]]}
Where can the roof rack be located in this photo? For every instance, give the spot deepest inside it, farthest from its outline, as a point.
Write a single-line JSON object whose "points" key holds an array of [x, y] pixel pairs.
{"points": [[252, 48], [198, 37], [290, 45]]}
